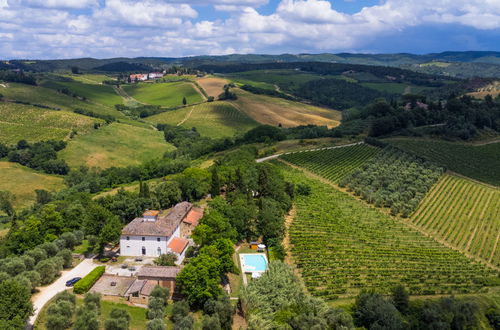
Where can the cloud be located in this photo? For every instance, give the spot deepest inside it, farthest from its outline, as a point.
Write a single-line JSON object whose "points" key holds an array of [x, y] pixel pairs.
{"points": [[75, 4], [107, 28]]}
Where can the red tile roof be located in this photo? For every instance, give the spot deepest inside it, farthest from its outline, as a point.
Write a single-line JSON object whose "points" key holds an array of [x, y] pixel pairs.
{"points": [[178, 245], [194, 216], [151, 213]]}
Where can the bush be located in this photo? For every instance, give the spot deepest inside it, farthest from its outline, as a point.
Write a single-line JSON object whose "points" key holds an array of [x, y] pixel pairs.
{"points": [[156, 324], [67, 257], [168, 259], [48, 270], [88, 281]]}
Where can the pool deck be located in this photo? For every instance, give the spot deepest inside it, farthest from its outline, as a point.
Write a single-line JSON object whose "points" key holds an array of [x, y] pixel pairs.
{"points": [[242, 264]]}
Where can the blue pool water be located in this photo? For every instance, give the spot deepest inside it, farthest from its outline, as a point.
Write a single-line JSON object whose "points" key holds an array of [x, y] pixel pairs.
{"points": [[254, 263]]}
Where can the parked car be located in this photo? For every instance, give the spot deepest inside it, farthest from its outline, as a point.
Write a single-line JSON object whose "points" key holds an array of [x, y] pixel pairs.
{"points": [[131, 268], [124, 266], [73, 281], [138, 259]]}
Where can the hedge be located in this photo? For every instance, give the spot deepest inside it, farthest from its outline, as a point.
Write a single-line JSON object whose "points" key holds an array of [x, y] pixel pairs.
{"points": [[88, 281]]}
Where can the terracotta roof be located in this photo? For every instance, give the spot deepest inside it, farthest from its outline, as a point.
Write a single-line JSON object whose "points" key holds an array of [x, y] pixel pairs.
{"points": [[178, 244], [194, 216], [165, 225], [135, 287], [151, 213], [158, 271], [148, 287]]}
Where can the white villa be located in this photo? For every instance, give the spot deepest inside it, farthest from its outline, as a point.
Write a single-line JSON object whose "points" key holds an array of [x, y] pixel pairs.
{"points": [[155, 233]]}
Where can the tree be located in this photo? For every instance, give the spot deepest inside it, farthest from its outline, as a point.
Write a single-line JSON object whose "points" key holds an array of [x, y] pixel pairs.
{"points": [[86, 319], [48, 270], [119, 319], [15, 302], [167, 259], [184, 101], [109, 233], [180, 309], [371, 310], [222, 309], [186, 323], [75, 70], [213, 226], [156, 324], [215, 183], [168, 193], [194, 183], [6, 200], [400, 298]]}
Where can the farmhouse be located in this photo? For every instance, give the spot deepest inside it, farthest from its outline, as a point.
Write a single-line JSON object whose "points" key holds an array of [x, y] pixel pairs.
{"points": [[157, 233], [138, 77], [155, 75]]}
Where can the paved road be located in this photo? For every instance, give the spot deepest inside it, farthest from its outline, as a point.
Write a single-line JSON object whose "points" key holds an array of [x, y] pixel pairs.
{"points": [[48, 292], [260, 160]]}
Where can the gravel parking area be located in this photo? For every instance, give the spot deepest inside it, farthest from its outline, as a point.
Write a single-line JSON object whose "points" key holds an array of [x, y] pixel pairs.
{"points": [[121, 270], [105, 285]]}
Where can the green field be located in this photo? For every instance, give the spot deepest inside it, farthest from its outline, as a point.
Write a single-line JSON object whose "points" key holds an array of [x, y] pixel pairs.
{"points": [[286, 79], [214, 119], [103, 94], [22, 183], [333, 164], [115, 145], [164, 94], [18, 121], [341, 245], [478, 162], [465, 214], [90, 78], [54, 99]]}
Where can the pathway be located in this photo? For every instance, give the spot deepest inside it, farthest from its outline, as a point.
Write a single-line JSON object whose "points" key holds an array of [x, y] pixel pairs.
{"points": [[48, 292], [260, 160]]}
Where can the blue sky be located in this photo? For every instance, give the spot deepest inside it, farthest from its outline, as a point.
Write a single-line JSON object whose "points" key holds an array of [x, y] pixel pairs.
{"points": [[43, 29]]}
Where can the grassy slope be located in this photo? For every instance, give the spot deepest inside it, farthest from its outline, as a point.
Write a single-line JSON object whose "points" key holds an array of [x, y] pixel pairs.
{"points": [[52, 98], [213, 86], [343, 246], [465, 214], [164, 94], [89, 78], [22, 182], [478, 162], [103, 94], [18, 121], [273, 111], [115, 145], [214, 119]]}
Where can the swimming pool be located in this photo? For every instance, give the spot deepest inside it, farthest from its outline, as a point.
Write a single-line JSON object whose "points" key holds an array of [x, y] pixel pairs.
{"points": [[255, 262]]}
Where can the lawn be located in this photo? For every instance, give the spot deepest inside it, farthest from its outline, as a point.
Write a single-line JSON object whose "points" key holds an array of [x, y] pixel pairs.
{"points": [[340, 245], [213, 119], [19, 121], [22, 182], [478, 162], [164, 94], [274, 111], [115, 145]]}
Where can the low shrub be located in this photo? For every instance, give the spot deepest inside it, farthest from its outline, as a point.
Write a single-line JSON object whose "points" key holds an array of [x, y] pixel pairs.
{"points": [[88, 281]]}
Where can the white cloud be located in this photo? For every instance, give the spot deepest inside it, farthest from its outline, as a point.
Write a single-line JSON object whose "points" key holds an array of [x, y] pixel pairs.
{"points": [[76, 4], [53, 28]]}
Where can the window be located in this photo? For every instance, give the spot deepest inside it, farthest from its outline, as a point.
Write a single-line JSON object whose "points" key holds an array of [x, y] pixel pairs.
{"points": [[158, 239], [128, 238], [144, 238]]}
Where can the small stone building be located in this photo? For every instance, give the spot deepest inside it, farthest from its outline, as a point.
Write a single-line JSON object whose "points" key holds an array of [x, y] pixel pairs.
{"points": [[191, 221]]}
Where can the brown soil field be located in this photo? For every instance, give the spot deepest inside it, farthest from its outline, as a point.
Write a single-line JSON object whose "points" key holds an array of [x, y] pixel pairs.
{"points": [[213, 86], [273, 111]]}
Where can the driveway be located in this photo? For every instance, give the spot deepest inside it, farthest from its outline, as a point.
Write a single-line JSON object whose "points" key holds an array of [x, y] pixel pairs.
{"points": [[48, 292]]}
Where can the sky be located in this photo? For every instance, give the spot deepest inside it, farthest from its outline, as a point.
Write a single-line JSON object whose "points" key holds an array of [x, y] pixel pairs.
{"points": [[54, 29]]}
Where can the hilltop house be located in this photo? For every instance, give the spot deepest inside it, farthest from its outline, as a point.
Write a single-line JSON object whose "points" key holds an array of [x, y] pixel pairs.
{"points": [[158, 233], [155, 75], [138, 77]]}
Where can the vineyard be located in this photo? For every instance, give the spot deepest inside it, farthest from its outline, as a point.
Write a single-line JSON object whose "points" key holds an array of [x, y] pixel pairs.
{"points": [[393, 179], [465, 214], [341, 246], [477, 162], [333, 164], [163, 94]]}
